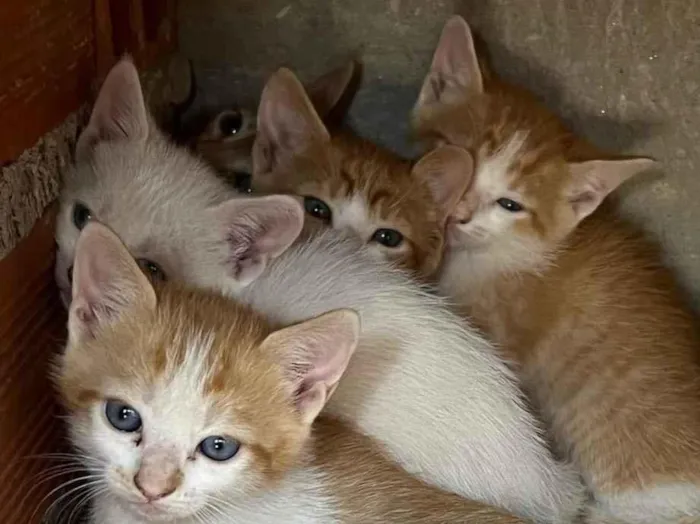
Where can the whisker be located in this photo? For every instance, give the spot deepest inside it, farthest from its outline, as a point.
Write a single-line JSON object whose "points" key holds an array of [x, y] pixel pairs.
{"points": [[63, 486], [70, 492]]}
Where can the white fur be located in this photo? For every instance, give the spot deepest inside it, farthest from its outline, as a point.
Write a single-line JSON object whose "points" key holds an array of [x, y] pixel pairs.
{"points": [[422, 382]]}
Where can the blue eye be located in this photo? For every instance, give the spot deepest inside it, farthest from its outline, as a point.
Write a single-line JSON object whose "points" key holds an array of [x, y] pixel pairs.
{"points": [[81, 215], [317, 208], [219, 448], [122, 416], [387, 237], [510, 205]]}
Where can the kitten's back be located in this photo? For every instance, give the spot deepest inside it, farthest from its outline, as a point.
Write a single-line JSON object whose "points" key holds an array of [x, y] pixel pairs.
{"points": [[421, 382], [372, 490]]}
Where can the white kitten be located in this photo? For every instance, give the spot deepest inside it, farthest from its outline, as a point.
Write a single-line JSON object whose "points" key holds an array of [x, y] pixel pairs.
{"points": [[424, 384]]}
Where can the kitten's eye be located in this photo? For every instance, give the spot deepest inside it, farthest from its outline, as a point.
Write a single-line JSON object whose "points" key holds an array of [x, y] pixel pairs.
{"points": [[510, 205], [230, 123], [152, 270], [243, 182], [317, 208], [219, 448], [81, 215], [122, 416], [387, 237]]}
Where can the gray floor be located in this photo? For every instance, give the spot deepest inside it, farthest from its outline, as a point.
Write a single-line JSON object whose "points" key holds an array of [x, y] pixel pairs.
{"points": [[624, 73]]}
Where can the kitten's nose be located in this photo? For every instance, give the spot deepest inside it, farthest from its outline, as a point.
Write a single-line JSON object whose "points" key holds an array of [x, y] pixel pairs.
{"points": [[154, 490]]}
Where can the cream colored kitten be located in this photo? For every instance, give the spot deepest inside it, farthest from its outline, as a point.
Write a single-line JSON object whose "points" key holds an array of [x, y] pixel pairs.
{"points": [[190, 408], [424, 384], [578, 298]]}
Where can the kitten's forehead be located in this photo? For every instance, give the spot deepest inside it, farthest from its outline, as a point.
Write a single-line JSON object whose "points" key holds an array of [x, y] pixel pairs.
{"points": [[496, 168], [153, 195], [352, 211]]}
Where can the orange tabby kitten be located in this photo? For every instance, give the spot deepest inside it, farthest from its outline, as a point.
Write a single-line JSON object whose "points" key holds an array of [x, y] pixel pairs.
{"points": [[581, 301], [346, 182], [189, 408], [350, 183], [227, 140]]}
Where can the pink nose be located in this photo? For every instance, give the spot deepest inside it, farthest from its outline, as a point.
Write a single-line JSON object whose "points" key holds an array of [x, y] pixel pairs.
{"points": [[154, 490]]}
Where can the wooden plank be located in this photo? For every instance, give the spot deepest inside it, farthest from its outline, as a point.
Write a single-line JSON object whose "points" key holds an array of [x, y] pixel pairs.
{"points": [[46, 66], [32, 327], [54, 54]]}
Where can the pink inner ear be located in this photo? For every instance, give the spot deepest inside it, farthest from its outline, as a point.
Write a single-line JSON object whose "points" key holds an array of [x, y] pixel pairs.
{"points": [[455, 59], [258, 229], [287, 121], [119, 111]]}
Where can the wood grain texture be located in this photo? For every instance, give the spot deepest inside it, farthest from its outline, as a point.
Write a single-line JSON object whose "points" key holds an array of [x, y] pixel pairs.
{"points": [[54, 54], [32, 326], [46, 66]]}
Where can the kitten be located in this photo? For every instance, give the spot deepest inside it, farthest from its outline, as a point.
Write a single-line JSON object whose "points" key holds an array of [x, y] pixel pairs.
{"points": [[227, 140], [351, 184], [368, 190], [577, 297], [424, 384], [391, 204], [189, 408]]}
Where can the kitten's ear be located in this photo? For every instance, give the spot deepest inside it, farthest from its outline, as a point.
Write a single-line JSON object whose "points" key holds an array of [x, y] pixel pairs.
{"points": [[593, 180], [315, 354], [448, 172], [335, 86], [287, 123], [107, 282], [257, 230], [455, 67], [119, 112]]}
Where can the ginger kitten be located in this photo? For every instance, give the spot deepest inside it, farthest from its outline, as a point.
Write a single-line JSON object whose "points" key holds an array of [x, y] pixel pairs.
{"points": [[579, 299], [392, 205], [227, 140], [423, 383], [347, 182], [191, 408]]}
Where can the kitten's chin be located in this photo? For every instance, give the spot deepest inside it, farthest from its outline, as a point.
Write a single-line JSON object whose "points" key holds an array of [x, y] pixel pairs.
{"points": [[153, 512], [460, 241]]}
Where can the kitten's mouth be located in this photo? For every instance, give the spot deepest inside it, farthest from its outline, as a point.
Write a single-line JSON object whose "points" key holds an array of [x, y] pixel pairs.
{"points": [[151, 511]]}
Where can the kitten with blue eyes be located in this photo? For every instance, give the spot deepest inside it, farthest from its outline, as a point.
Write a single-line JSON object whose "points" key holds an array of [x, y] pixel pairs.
{"points": [[191, 408], [424, 384]]}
